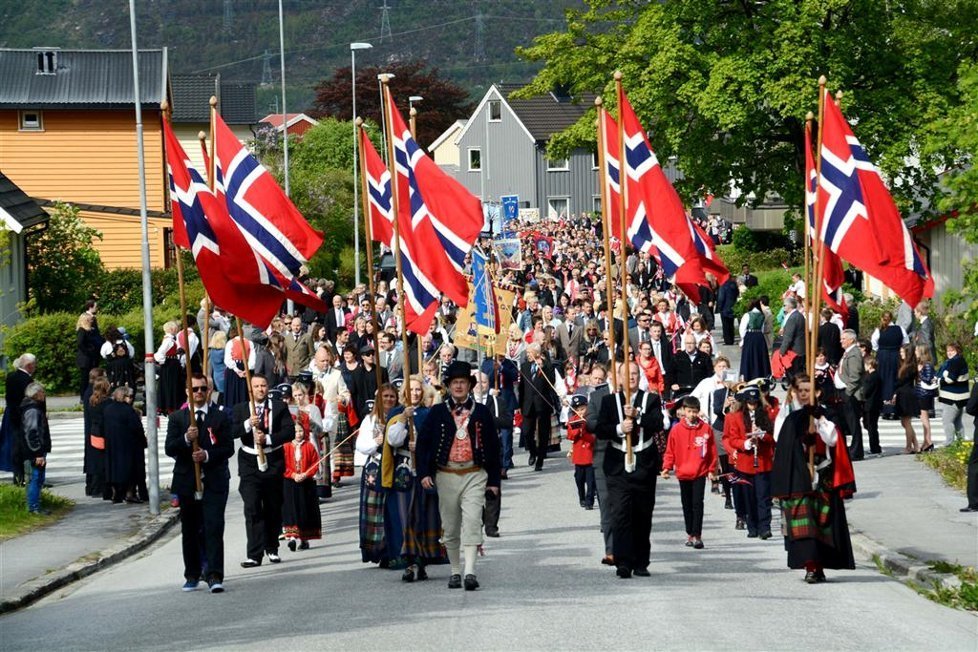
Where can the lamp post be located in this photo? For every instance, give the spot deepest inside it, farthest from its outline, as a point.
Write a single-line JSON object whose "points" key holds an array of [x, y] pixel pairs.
{"points": [[356, 203], [412, 100]]}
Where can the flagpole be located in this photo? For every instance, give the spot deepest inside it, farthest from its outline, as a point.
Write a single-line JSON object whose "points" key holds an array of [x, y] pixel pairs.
{"points": [[606, 227], [622, 203], [807, 248], [205, 327], [149, 364], [369, 237], [188, 376], [259, 446], [395, 206]]}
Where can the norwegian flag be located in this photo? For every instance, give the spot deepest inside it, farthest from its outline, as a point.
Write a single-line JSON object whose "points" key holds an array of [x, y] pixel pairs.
{"points": [[639, 231], [859, 220], [202, 225], [832, 275], [275, 230], [420, 294], [650, 196], [445, 217]]}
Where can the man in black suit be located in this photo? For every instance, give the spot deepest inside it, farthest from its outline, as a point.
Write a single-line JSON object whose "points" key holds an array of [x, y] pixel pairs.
{"points": [[662, 350], [631, 490], [538, 402], [830, 338], [363, 387], [10, 437], [690, 366], [336, 318], [727, 297], [203, 517], [746, 279], [600, 387], [261, 489]]}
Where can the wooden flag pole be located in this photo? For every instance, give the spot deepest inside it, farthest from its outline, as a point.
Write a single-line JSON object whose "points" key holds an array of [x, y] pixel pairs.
{"points": [[606, 228], [259, 446], [622, 204], [198, 479], [395, 206], [369, 237], [807, 247]]}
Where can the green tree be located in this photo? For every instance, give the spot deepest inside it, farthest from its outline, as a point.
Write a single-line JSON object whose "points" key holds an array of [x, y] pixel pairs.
{"points": [[62, 262], [725, 86]]}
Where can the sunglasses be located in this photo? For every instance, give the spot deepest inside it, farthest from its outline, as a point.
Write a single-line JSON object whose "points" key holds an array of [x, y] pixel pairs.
{"points": [[199, 388]]}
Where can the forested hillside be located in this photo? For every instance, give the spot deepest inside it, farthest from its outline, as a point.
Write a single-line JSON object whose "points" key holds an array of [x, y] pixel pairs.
{"points": [[471, 41]]}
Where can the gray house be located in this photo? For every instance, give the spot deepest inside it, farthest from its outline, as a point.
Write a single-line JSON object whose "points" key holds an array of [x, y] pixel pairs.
{"points": [[502, 151]]}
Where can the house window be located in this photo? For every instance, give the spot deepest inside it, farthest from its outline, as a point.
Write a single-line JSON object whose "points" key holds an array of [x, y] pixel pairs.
{"points": [[31, 121], [475, 159], [558, 207], [47, 62], [495, 110], [594, 160], [596, 204], [558, 165]]}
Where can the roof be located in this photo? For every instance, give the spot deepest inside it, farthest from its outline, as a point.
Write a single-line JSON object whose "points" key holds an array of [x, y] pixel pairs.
{"points": [[17, 210], [191, 96], [545, 115], [456, 126], [275, 119], [90, 78]]}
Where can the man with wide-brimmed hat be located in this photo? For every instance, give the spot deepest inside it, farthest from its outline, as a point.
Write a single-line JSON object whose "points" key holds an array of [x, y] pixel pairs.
{"points": [[458, 451]]}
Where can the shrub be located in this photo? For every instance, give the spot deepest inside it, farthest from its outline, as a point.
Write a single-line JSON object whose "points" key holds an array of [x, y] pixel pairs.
{"points": [[750, 241], [62, 261], [772, 282], [871, 311], [759, 261], [121, 290]]}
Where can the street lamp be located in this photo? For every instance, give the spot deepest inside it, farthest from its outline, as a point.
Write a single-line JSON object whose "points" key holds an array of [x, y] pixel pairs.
{"points": [[356, 202], [412, 100]]}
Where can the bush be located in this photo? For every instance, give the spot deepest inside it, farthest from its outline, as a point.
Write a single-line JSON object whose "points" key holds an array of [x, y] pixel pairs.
{"points": [[759, 261], [951, 462], [871, 311], [121, 290], [750, 241], [62, 261], [773, 283]]}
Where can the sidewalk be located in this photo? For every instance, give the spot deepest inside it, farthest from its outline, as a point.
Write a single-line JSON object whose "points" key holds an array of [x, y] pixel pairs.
{"points": [[93, 535]]}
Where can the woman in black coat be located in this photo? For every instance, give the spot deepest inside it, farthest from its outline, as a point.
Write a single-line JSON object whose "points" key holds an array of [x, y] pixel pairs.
{"points": [[95, 401], [125, 441]]}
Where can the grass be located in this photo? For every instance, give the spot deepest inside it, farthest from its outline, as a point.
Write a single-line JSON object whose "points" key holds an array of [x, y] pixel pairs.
{"points": [[951, 463], [14, 518], [964, 596]]}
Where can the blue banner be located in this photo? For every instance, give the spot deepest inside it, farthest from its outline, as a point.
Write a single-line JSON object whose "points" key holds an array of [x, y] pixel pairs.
{"points": [[511, 211], [483, 295]]}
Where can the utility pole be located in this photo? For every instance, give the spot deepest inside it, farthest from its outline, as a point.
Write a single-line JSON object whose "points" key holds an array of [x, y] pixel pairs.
{"points": [[385, 23]]}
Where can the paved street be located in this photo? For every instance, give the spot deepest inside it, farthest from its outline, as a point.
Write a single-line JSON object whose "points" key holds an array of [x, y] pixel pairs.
{"points": [[542, 589]]}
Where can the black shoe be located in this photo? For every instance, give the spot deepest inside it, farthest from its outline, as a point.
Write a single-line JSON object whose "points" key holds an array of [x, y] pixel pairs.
{"points": [[303, 545], [292, 545], [968, 509], [250, 563], [927, 449], [728, 504], [503, 475], [698, 543], [589, 507], [409, 574], [623, 573], [538, 466], [215, 586], [583, 504], [608, 560], [273, 557], [752, 535], [455, 582], [641, 572], [422, 574], [856, 458], [765, 535], [532, 461], [820, 577], [493, 533], [810, 577], [689, 542], [471, 584], [740, 525]]}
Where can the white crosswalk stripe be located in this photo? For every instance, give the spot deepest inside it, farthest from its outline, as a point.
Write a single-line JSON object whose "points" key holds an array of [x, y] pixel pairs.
{"points": [[892, 436], [66, 462]]}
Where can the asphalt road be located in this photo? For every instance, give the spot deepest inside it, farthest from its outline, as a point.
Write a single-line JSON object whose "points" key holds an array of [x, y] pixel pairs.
{"points": [[543, 588]]}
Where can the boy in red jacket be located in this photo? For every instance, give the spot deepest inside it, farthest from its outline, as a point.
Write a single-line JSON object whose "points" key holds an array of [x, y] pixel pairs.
{"points": [[582, 455], [692, 451]]}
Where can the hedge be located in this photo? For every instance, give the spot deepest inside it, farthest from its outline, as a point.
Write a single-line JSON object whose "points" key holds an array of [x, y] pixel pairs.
{"points": [[51, 338], [772, 282], [759, 261]]}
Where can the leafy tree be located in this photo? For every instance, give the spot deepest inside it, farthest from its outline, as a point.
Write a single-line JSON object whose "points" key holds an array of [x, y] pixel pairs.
{"points": [[444, 101], [62, 263], [725, 86]]}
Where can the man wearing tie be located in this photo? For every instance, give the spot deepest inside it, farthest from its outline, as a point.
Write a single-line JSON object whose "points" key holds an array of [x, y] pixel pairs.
{"points": [[201, 521], [336, 318], [538, 402], [297, 348], [641, 332], [662, 351], [570, 333], [390, 358], [261, 490], [631, 493]]}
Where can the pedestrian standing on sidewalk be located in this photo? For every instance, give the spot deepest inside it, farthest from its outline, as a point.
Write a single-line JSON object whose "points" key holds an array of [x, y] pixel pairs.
{"points": [[36, 442], [201, 520], [11, 434], [872, 403], [926, 389], [850, 378], [458, 451], [692, 452], [953, 391], [582, 454], [816, 530]]}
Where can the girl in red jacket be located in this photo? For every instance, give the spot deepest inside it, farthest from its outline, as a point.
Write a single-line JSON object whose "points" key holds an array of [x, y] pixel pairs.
{"points": [[582, 455], [691, 450], [748, 437]]}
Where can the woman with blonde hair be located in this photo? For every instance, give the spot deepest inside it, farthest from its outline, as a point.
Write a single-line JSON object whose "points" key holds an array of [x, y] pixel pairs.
{"points": [[88, 343], [170, 393], [925, 389], [215, 359], [370, 441]]}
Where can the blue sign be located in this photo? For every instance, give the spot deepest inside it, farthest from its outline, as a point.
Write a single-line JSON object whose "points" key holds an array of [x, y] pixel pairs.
{"points": [[511, 211]]}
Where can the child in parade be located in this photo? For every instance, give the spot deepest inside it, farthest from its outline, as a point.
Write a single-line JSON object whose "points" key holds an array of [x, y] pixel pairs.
{"points": [[582, 454], [691, 451], [301, 520]]}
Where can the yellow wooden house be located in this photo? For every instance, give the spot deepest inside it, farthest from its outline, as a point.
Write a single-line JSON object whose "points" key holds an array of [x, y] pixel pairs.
{"points": [[68, 133]]}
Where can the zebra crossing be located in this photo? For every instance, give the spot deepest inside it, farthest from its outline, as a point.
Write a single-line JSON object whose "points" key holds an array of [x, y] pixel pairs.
{"points": [[66, 462]]}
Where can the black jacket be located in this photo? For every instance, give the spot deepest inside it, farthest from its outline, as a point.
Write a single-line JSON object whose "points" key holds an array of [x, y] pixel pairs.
{"points": [[214, 437], [438, 431], [282, 431], [37, 435], [537, 396], [829, 338], [17, 382], [647, 460], [688, 372]]}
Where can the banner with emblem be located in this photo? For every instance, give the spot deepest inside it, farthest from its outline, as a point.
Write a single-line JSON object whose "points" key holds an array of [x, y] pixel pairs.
{"points": [[467, 334], [510, 253]]}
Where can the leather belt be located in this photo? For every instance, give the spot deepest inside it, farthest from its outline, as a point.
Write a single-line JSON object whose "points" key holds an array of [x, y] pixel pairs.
{"points": [[266, 450], [465, 470]]}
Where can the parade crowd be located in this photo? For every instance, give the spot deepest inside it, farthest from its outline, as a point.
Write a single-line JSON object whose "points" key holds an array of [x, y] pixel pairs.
{"points": [[436, 427]]}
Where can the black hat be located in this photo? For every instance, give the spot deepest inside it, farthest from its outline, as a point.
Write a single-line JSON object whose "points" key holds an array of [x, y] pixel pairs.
{"points": [[369, 405], [304, 377], [275, 394], [398, 383], [459, 369], [749, 394], [763, 384], [284, 390], [366, 348], [578, 401]]}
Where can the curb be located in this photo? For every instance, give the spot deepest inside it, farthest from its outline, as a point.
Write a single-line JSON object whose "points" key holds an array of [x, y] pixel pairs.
{"points": [[35, 589], [901, 566]]}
